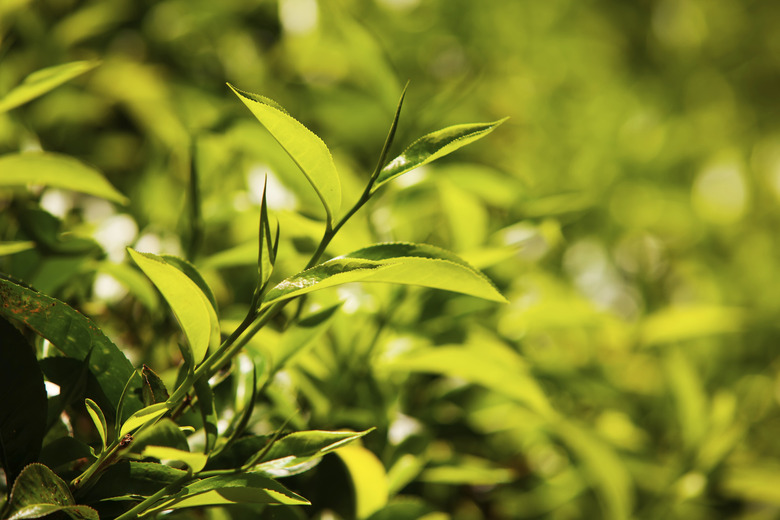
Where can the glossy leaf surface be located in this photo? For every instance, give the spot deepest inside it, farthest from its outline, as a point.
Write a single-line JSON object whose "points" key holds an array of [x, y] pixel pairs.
{"points": [[433, 146], [23, 406], [98, 418], [71, 333], [56, 171], [42, 81], [408, 264], [191, 307], [232, 489], [39, 491], [369, 479], [306, 149], [196, 461], [142, 417]]}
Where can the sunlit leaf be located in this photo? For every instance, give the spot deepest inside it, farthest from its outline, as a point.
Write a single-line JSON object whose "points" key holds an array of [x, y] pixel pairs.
{"points": [[42, 81], [208, 412], [232, 489], [191, 307], [55, 171], [99, 419], [196, 461], [306, 149], [10, 248], [679, 323], [408, 264], [142, 417], [369, 479], [433, 146]]}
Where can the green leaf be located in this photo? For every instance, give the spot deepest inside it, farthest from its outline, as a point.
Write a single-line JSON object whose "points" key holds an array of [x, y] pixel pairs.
{"points": [[11, 248], [153, 389], [192, 272], [191, 307], [44, 228], [196, 461], [163, 433], [389, 139], [433, 146], [23, 416], [470, 474], [130, 477], [306, 149], [208, 412], [369, 480], [56, 171], [408, 264], [44, 80], [71, 333], [290, 454], [266, 256], [232, 489], [39, 491], [99, 419], [142, 417]]}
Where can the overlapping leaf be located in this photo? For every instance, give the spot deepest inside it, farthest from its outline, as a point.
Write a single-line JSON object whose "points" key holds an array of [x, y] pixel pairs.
{"points": [[40, 492], [408, 264]]}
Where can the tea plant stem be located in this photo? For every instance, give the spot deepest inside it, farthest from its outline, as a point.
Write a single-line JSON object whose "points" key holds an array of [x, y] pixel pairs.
{"points": [[150, 501]]}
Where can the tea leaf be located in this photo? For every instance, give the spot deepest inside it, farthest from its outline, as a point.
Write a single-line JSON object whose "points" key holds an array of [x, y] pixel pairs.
{"points": [[56, 171], [191, 307], [196, 461], [369, 479], [39, 492], [23, 416], [433, 146], [306, 149], [72, 333], [42, 81], [208, 412], [99, 419], [142, 417], [408, 264], [153, 389]]}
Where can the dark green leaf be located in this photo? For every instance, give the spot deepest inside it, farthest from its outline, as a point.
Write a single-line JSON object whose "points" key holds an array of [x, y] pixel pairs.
{"points": [[44, 228], [23, 405], [433, 146], [71, 333], [153, 389], [39, 491], [208, 412]]}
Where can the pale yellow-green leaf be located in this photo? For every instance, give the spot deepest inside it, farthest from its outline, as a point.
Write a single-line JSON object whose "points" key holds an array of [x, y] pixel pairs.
{"points": [[142, 417], [44, 80], [56, 171], [10, 248], [369, 479], [98, 418], [195, 460]]}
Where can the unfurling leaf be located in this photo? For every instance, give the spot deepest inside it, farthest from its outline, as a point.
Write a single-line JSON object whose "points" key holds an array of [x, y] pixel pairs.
{"points": [[99, 419], [433, 146]]}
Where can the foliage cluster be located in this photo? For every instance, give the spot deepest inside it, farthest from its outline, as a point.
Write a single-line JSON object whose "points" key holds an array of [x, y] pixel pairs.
{"points": [[627, 211]]}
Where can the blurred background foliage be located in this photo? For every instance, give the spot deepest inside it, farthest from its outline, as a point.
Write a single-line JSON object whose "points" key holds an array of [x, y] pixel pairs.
{"points": [[627, 210]]}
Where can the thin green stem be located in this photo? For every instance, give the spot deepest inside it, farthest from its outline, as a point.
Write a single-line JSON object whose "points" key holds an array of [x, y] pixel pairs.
{"points": [[147, 503]]}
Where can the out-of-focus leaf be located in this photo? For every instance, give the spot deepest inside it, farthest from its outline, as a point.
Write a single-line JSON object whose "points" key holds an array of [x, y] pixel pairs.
{"points": [[191, 307], [607, 474], [71, 333], [99, 419], [56, 171], [506, 375], [690, 398], [369, 480], [153, 389], [44, 228], [196, 461], [10, 248], [232, 489], [408, 264], [404, 471], [407, 508], [301, 335], [470, 474], [23, 405], [433, 146], [42, 81], [687, 322], [759, 483], [142, 417], [306, 149], [135, 282], [39, 492]]}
